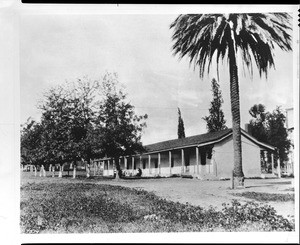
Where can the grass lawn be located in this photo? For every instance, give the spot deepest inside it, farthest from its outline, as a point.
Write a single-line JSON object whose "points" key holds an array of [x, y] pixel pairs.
{"points": [[55, 205], [267, 197]]}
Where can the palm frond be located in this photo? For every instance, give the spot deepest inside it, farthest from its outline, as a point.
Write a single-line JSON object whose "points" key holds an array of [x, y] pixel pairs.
{"points": [[199, 37]]}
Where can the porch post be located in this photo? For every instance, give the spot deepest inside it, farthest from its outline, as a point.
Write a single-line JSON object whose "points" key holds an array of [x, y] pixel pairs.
{"points": [[266, 159], [132, 164], [272, 156], [149, 163], [125, 162], [197, 159], [103, 163], [278, 167], [182, 160], [159, 164], [170, 162], [214, 163], [141, 167]]}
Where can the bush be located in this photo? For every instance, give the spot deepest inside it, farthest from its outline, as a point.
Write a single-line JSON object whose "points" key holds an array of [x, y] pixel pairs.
{"points": [[236, 214], [230, 218]]}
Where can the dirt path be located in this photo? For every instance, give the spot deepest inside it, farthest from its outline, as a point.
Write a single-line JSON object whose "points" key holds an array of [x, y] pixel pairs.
{"points": [[212, 193]]}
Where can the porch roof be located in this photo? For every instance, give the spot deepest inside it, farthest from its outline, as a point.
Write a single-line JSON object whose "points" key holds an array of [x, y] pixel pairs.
{"points": [[188, 141], [201, 139]]}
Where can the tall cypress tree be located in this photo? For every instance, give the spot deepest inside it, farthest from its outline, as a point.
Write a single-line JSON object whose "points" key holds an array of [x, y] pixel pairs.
{"points": [[180, 132], [215, 121]]}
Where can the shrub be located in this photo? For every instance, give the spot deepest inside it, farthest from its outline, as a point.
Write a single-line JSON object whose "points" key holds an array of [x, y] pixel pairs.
{"points": [[236, 214], [230, 218]]}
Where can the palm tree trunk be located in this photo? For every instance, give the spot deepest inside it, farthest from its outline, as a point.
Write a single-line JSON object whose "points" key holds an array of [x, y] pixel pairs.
{"points": [[238, 175]]}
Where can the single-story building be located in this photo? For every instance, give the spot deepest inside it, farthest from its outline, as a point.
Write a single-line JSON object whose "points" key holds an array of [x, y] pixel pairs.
{"points": [[206, 156]]}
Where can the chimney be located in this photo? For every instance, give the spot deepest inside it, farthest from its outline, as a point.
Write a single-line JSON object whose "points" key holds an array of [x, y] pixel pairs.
{"points": [[248, 128]]}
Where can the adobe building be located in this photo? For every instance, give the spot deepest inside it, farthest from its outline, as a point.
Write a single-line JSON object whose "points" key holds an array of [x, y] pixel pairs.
{"points": [[204, 156]]}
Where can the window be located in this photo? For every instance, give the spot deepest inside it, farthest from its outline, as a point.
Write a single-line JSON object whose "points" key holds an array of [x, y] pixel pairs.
{"points": [[172, 162], [156, 163], [144, 163]]}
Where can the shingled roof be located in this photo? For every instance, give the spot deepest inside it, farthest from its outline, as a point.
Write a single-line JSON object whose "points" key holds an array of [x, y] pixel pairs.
{"points": [[188, 141], [200, 139]]}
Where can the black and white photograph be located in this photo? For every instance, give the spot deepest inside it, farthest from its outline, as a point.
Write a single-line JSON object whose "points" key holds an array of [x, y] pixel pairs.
{"points": [[129, 121]]}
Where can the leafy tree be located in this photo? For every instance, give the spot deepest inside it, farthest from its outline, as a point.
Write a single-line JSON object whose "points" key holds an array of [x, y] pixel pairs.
{"points": [[278, 135], [270, 128], [204, 36], [66, 118], [83, 120], [117, 124], [30, 143], [259, 123], [215, 121], [180, 131]]}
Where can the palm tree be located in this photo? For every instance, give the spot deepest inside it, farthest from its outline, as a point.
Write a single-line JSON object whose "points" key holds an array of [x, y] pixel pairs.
{"points": [[202, 36]]}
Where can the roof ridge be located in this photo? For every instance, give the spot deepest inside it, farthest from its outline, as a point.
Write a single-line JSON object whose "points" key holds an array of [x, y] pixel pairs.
{"points": [[228, 130]]}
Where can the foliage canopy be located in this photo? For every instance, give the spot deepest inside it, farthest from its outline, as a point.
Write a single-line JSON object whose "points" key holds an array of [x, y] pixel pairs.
{"points": [[83, 120], [215, 121]]}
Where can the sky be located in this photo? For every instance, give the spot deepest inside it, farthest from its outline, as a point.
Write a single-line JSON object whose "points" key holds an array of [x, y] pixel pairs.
{"points": [[55, 48]]}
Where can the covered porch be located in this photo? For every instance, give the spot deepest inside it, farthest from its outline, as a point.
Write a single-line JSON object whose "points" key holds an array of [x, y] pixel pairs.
{"points": [[194, 161]]}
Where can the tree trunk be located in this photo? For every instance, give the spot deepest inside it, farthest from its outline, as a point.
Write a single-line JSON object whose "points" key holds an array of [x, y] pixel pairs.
{"points": [[238, 175], [116, 166], [53, 171], [60, 171], [41, 172], [74, 171], [35, 171], [87, 167]]}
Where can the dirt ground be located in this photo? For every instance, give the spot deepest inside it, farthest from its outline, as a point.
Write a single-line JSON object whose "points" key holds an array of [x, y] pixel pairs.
{"points": [[212, 193]]}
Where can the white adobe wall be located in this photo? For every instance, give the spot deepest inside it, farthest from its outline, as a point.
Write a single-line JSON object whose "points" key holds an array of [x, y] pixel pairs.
{"points": [[251, 158], [223, 157]]}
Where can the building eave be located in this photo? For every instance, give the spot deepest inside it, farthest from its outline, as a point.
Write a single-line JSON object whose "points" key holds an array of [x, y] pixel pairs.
{"points": [[261, 144], [188, 146]]}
